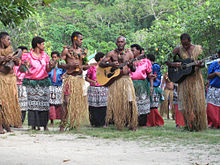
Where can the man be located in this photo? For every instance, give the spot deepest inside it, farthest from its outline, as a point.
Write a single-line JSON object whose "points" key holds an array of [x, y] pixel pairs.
{"points": [[141, 86], [191, 96], [122, 107], [75, 101], [168, 98], [10, 114]]}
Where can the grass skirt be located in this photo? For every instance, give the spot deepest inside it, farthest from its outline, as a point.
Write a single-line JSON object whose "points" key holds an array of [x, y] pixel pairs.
{"points": [[10, 113], [122, 107], [77, 104]]}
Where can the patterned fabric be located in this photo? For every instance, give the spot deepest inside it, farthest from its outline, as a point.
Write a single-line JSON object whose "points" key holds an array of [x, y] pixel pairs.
{"points": [[214, 67], [97, 96], [38, 98], [175, 94], [142, 92], [213, 96], [157, 92], [37, 70], [56, 95], [22, 96], [142, 68]]}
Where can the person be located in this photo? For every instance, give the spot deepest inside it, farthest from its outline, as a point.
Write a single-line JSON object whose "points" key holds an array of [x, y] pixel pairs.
{"points": [[179, 120], [191, 96], [10, 113], [154, 118], [213, 95], [122, 107], [168, 96], [56, 88], [22, 93], [36, 66], [97, 95], [141, 86], [75, 104]]}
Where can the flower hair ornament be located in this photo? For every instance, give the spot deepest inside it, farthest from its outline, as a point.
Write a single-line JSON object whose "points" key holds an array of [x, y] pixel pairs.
{"points": [[75, 38]]}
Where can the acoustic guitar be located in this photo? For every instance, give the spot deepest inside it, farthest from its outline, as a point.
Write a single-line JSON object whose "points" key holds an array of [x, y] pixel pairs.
{"points": [[106, 76], [177, 75]]}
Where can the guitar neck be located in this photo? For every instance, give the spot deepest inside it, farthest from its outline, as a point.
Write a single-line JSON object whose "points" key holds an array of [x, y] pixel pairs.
{"points": [[200, 61], [131, 61]]}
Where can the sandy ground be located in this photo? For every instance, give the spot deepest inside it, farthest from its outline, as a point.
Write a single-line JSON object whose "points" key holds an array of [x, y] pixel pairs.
{"points": [[23, 148]]}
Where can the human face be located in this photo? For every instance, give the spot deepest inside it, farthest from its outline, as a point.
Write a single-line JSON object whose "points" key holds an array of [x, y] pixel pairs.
{"points": [[78, 41], [186, 43], [135, 51], [54, 57], [120, 43], [6, 41], [41, 46]]}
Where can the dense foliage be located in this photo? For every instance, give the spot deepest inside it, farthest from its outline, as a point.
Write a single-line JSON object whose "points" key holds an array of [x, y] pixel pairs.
{"points": [[155, 24]]}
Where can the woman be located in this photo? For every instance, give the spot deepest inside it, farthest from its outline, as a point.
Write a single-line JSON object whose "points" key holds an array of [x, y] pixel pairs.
{"points": [[213, 94], [97, 95], [36, 65], [141, 86]]}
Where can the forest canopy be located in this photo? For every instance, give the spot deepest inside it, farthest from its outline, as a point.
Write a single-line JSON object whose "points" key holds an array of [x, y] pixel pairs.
{"points": [[154, 24]]}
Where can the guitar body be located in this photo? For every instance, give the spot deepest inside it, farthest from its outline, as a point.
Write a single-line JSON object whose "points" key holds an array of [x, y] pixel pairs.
{"points": [[177, 75], [105, 76]]}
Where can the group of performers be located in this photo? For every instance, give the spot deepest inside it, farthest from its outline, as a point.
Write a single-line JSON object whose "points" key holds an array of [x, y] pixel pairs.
{"points": [[56, 89]]}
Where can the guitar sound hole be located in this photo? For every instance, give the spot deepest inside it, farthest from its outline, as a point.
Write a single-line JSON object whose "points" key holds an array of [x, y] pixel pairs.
{"points": [[110, 75]]}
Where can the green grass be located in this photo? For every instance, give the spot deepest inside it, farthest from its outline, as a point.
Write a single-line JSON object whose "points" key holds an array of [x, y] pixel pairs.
{"points": [[166, 133]]}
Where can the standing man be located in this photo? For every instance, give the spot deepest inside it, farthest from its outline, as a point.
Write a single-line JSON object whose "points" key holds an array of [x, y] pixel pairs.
{"points": [[191, 96], [121, 107], [10, 114], [75, 104]]}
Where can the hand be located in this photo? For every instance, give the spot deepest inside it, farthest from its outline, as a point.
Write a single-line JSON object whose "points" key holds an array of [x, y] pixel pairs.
{"points": [[217, 74], [16, 60], [86, 67], [197, 63], [27, 63], [115, 64], [151, 90], [7, 58], [177, 64], [52, 64]]}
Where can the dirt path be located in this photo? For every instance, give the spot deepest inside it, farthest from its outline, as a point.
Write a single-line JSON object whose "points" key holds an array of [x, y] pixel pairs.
{"points": [[21, 148]]}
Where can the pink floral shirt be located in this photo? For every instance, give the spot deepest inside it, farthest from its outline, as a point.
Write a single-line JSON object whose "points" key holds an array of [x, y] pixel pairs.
{"points": [[19, 75], [142, 68], [91, 73], [37, 70]]}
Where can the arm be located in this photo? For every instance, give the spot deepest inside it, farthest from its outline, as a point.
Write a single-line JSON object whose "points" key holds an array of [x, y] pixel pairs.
{"points": [[149, 75], [174, 64], [106, 62], [131, 65]]}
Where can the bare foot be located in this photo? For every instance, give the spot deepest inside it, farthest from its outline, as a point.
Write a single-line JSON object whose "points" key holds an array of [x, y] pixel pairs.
{"points": [[46, 128], [8, 129], [51, 125], [2, 131], [61, 129]]}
